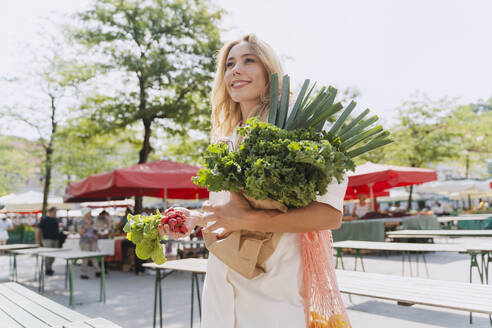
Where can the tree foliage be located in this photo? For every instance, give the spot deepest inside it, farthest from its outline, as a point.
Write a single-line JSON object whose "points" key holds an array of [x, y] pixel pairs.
{"points": [[472, 136], [162, 52], [17, 163]]}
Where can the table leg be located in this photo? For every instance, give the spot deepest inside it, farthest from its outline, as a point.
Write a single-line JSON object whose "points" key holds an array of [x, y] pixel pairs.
{"points": [[474, 263], [156, 284], [102, 292], [358, 254], [198, 296], [339, 256], [70, 280], [13, 270], [41, 275], [66, 274], [36, 268], [160, 300], [192, 296], [403, 263], [425, 265], [10, 265]]}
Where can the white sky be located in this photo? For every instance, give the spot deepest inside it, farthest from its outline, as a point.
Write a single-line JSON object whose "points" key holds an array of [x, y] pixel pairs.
{"points": [[387, 49]]}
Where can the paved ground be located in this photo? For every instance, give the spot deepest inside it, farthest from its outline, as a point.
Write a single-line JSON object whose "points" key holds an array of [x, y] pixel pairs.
{"points": [[130, 297]]}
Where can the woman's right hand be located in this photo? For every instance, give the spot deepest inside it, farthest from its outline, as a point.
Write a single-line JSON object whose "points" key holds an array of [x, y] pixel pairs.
{"points": [[192, 219]]}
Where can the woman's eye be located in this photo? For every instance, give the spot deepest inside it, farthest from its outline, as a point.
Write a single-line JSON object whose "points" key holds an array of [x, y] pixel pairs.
{"points": [[230, 64], [250, 60]]}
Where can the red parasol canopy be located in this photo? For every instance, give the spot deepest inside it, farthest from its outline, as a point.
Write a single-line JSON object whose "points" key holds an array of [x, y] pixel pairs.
{"points": [[354, 192], [383, 176], [162, 179], [376, 178]]}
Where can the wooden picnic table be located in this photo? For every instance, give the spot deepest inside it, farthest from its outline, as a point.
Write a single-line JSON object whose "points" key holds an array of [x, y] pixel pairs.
{"points": [[408, 291], [31, 252], [16, 246], [471, 248], [438, 233], [195, 266], [71, 256], [469, 217], [21, 307]]}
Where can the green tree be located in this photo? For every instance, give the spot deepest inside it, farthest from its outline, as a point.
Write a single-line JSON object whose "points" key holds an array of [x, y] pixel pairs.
{"points": [[184, 149], [420, 136], [162, 52], [44, 107], [16, 163], [80, 153], [472, 134]]}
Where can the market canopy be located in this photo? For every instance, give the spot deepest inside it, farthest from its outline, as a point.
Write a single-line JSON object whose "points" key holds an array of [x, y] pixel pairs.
{"points": [[382, 176], [462, 187], [30, 202], [373, 179], [162, 179]]}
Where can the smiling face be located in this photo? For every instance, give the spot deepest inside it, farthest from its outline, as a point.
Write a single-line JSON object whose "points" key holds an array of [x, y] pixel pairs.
{"points": [[245, 76]]}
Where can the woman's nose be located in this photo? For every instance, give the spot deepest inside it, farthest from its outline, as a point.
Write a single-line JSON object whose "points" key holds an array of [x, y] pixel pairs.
{"points": [[236, 70]]}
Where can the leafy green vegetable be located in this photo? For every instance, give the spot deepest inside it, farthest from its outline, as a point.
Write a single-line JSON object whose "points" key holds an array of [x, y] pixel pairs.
{"points": [[142, 231], [292, 167]]}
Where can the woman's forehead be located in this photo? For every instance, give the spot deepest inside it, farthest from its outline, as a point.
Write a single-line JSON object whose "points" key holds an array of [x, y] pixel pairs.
{"points": [[239, 50]]}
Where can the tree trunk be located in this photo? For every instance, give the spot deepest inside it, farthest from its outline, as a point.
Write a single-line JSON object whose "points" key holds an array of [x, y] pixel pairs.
{"points": [[49, 152], [409, 206], [467, 175], [47, 179], [145, 151]]}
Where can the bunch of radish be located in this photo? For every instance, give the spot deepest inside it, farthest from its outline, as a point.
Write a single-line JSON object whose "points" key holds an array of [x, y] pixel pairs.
{"points": [[175, 219]]}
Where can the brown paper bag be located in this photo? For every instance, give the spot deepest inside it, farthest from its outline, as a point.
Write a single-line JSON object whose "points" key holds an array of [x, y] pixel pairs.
{"points": [[247, 251]]}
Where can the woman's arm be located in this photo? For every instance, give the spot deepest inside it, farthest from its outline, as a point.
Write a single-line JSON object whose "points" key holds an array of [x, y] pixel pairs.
{"points": [[315, 216], [237, 214]]}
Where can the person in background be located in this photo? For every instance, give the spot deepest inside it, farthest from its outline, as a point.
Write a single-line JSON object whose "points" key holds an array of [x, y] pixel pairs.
{"points": [[88, 241], [437, 209], [124, 220], [103, 224], [396, 208], [362, 207], [5, 224], [47, 235]]}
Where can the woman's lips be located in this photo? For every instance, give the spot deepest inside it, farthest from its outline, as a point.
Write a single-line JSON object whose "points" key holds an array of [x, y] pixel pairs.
{"points": [[239, 84]]}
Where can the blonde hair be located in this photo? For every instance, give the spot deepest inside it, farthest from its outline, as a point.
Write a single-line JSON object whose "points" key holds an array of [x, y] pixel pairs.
{"points": [[226, 113]]}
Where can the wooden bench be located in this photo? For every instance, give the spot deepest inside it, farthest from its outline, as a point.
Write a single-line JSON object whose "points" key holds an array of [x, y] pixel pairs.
{"points": [[409, 291], [21, 307]]}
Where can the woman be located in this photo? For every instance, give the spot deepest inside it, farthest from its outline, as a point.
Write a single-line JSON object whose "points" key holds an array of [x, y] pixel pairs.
{"points": [[88, 241], [274, 298], [362, 207]]}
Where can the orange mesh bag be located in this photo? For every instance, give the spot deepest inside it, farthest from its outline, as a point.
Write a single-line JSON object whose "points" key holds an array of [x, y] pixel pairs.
{"points": [[323, 303]]}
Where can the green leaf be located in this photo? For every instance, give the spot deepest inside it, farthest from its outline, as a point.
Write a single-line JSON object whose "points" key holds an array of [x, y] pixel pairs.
{"points": [[359, 138], [354, 132], [297, 104], [338, 124], [284, 102], [353, 123], [272, 116]]}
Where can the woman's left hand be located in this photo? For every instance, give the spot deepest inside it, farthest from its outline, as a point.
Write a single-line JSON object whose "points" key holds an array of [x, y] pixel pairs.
{"points": [[231, 216]]}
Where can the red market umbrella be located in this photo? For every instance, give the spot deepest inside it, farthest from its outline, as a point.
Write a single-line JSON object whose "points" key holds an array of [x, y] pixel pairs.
{"points": [[162, 179], [380, 177], [354, 192]]}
